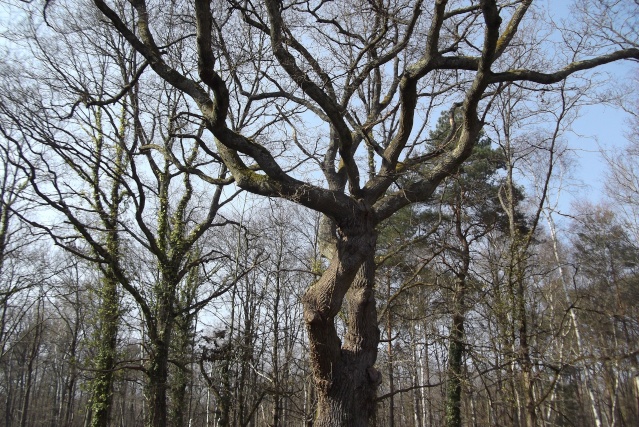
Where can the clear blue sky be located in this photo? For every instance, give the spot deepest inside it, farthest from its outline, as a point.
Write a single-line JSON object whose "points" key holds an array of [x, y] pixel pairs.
{"points": [[600, 126]]}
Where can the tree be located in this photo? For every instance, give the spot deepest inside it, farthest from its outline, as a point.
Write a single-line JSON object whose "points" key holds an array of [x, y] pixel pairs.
{"points": [[128, 189], [253, 360], [276, 105], [445, 234], [605, 295], [622, 183], [473, 204], [15, 239]]}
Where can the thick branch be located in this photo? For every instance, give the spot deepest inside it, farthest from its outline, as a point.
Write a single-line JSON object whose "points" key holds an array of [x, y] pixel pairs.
{"points": [[557, 76]]}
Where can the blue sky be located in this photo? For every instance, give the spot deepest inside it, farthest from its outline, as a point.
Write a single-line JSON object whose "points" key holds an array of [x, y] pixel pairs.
{"points": [[600, 126]]}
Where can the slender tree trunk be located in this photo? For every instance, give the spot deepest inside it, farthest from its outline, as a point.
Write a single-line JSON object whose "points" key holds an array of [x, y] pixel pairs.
{"points": [[456, 345], [33, 354], [8, 406], [223, 412], [530, 417], [575, 323], [417, 396], [455, 362], [180, 383], [69, 391], [426, 394], [184, 347], [457, 334], [309, 403], [420, 374], [161, 334], [277, 397], [106, 339], [109, 310], [389, 336]]}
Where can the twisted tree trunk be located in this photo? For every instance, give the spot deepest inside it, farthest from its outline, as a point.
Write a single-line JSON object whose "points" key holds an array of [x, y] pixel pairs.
{"points": [[345, 378]]}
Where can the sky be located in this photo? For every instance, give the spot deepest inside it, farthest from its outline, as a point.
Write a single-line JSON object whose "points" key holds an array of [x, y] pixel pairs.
{"points": [[599, 126]]}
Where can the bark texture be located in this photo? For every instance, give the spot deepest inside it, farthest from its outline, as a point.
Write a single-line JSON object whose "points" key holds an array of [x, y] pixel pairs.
{"points": [[345, 376]]}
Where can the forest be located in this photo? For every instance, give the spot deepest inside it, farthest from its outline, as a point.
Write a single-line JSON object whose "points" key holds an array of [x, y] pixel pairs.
{"points": [[316, 213]]}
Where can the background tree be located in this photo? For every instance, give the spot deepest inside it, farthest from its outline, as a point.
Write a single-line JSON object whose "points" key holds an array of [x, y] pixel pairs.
{"points": [[606, 261], [122, 194]]}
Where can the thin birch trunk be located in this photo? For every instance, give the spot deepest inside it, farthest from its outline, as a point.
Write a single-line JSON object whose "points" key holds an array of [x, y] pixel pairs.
{"points": [[574, 320]]}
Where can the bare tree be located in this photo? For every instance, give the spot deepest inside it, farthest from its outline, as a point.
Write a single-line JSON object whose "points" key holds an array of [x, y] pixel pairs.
{"points": [[368, 96], [300, 97], [127, 183]]}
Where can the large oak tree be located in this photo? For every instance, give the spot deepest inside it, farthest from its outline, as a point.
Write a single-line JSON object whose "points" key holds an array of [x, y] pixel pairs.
{"points": [[326, 104]]}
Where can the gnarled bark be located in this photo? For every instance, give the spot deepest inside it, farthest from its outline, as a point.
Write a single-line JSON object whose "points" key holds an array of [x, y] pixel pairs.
{"points": [[344, 373]]}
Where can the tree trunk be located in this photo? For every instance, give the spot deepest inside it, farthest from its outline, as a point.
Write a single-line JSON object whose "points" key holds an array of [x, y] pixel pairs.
{"points": [[277, 395], [457, 337], [344, 376], [109, 310], [33, 355], [183, 349], [157, 386], [179, 402], [530, 410], [575, 322], [158, 371], [455, 362], [106, 339], [389, 337]]}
